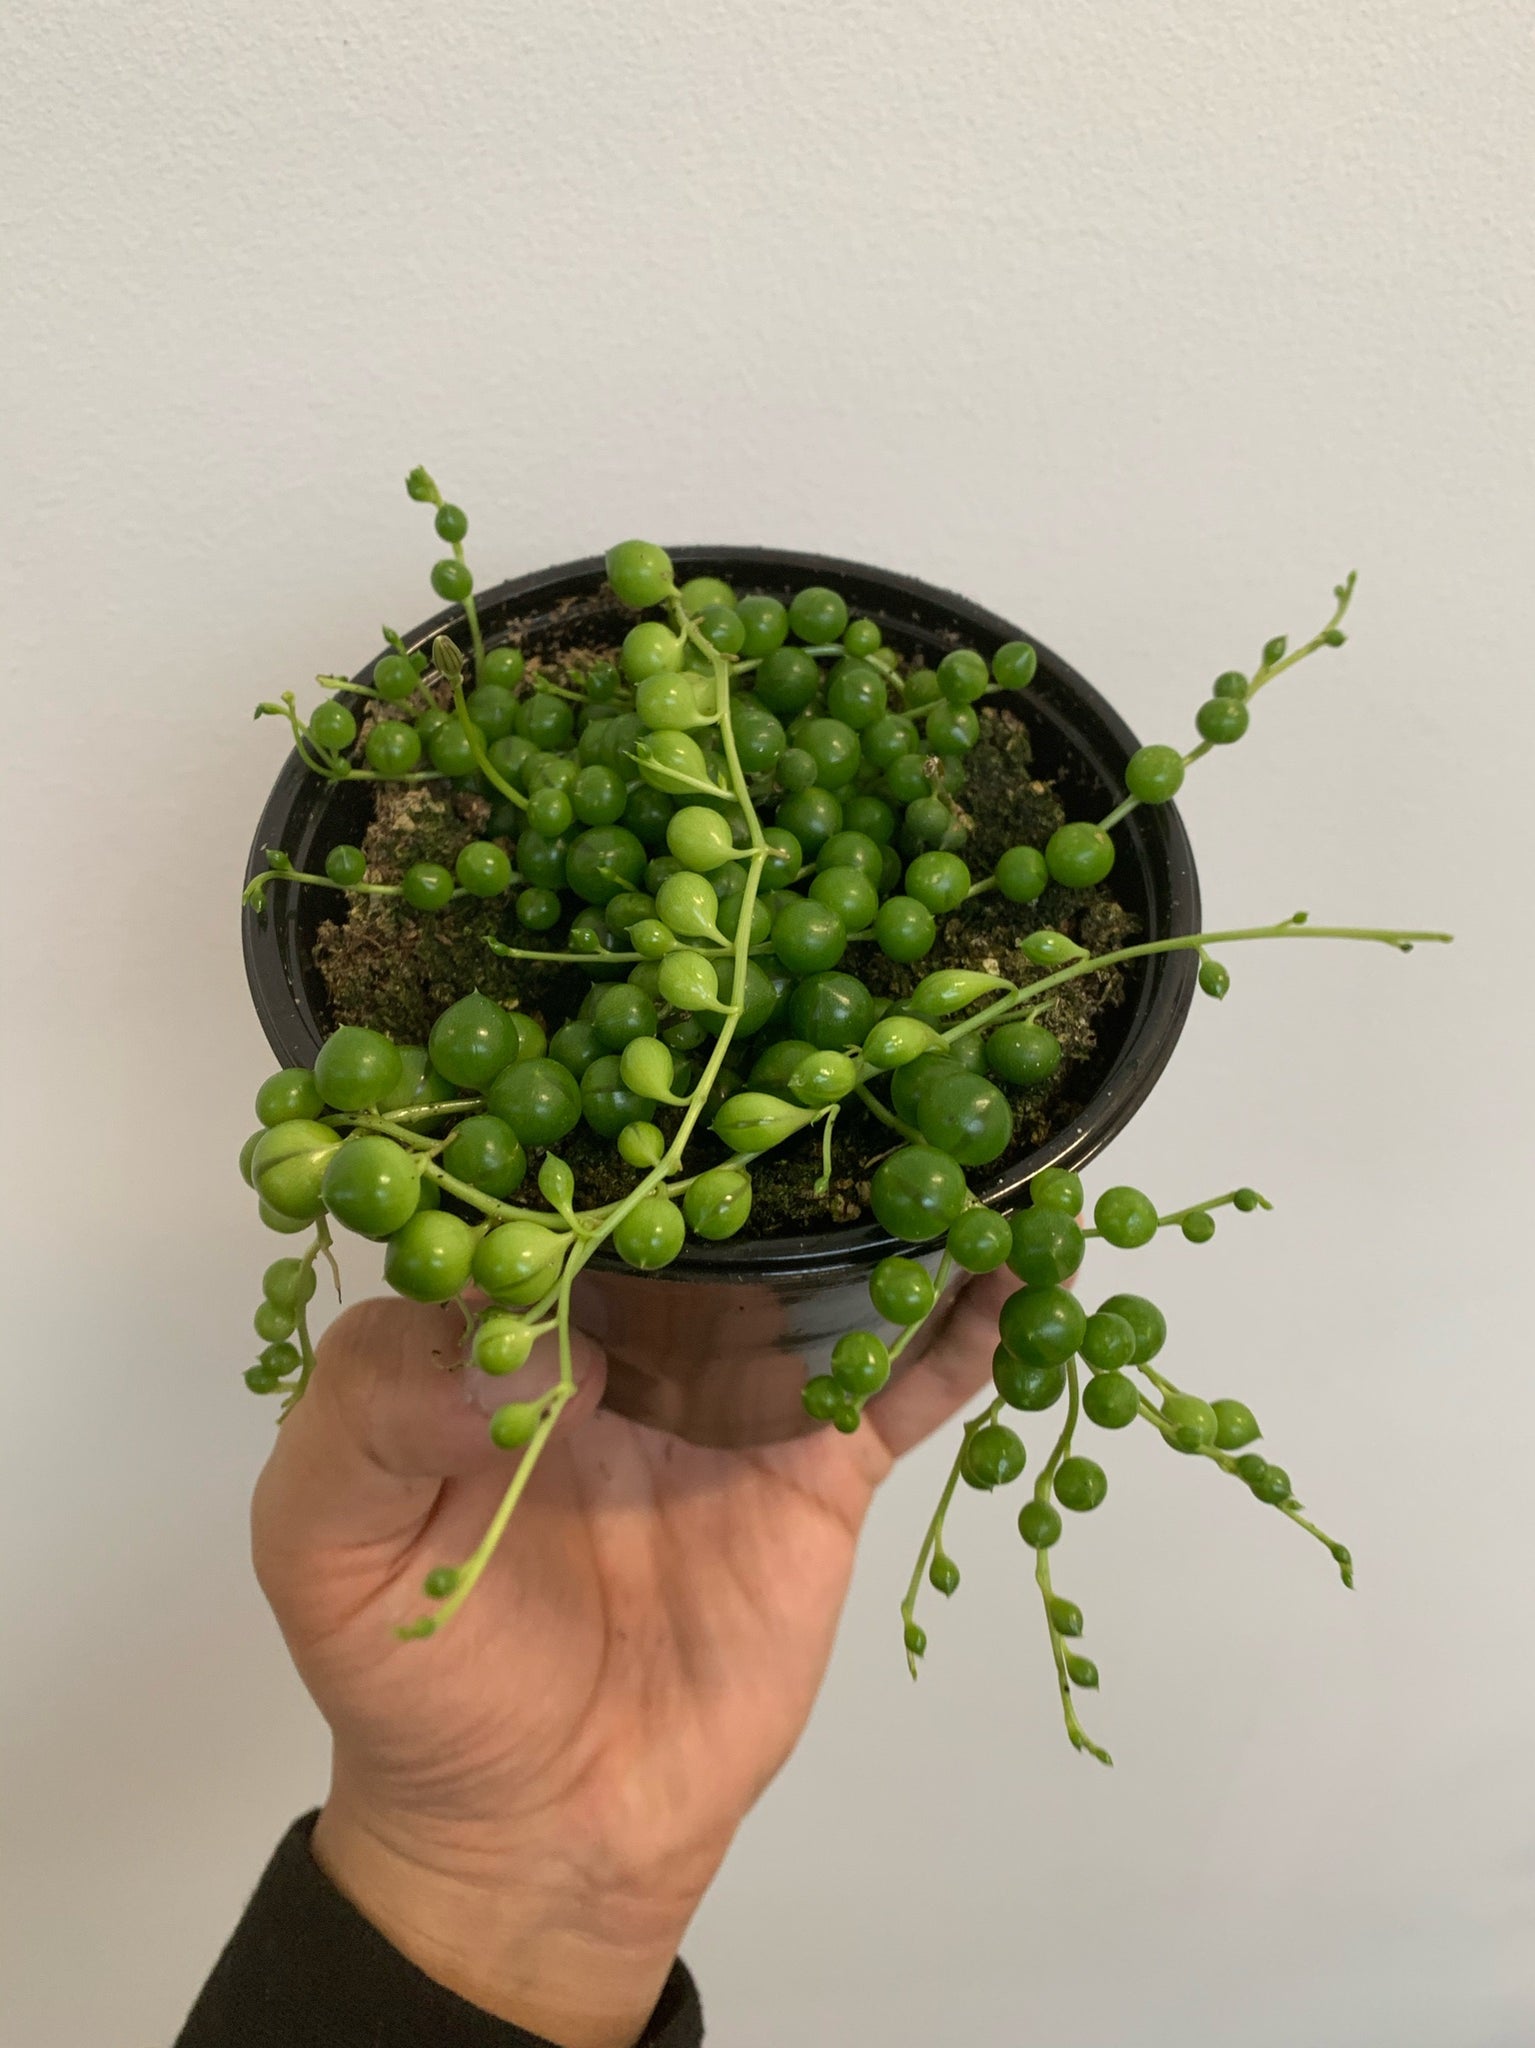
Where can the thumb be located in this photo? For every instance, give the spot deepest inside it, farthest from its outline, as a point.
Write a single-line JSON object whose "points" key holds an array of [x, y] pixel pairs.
{"points": [[390, 1412]]}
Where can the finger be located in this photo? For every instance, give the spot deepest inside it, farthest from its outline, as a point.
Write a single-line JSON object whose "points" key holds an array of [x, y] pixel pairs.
{"points": [[952, 1371], [389, 1414]]}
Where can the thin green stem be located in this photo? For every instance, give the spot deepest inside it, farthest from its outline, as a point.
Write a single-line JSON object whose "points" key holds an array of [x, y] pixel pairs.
{"points": [[1266, 672], [1197, 1208], [321, 1243], [1095, 963], [932, 1541], [1228, 1463], [875, 1107], [1078, 1736]]}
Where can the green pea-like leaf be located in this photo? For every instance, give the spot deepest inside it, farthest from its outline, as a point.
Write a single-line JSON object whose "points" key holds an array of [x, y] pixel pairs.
{"points": [[951, 989], [750, 1122]]}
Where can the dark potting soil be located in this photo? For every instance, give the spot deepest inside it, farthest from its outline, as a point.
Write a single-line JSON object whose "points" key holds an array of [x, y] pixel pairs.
{"points": [[395, 970]]}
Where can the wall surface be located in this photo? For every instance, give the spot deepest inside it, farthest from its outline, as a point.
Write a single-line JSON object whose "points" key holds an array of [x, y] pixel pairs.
{"points": [[1139, 322]]}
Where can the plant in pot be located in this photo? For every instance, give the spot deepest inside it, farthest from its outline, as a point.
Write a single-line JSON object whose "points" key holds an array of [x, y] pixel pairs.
{"points": [[728, 955]]}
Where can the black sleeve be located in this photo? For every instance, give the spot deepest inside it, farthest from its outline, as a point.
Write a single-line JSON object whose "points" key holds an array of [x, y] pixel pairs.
{"points": [[304, 1969]]}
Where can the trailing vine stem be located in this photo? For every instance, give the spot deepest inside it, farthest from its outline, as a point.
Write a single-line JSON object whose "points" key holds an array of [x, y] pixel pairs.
{"points": [[583, 1244]]}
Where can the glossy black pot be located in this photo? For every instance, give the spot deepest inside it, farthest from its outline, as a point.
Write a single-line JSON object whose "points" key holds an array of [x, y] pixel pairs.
{"points": [[717, 1348]]}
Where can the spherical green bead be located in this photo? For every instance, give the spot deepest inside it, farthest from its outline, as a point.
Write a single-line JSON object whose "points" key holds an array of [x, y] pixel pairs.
{"points": [[1108, 1343], [484, 869], [699, 592], [1214, 979], [354, 1067], [808, 938], [812, 815], [1144, 1318], [1032, 1388], [1042, 1325], [493, 709], [979, 1240], [290, 1093], [963, 676], [650, 649], [1065, 1616], [1039, 1524], [856, 694], [485, 1152], [1079, 855], [333, 727], [395, 678], [1153, 775], [428, 1258], [640, 573], [518, 1262], [940, 881], [766, 626], [516, 1423], [1221, 720], [994, 1456], [718, 1203], [817, 615], [943, 1575], [538, 910], [1125, 1217], [860, 1363], [1272, 1486], [822, 1397], [608, 1102], [427, 886], [451, 579], [1193, 1422], [1080, 1485], [888, 739], [288, 1283], [1232, 683], [1054, 1188], [1198, 1226], [502, 666], [787, 681], [829, 1010], [699, 838], [833, 746], [967, 1117], [371, 1185], [1024, 1054], [1022, 875], [346, 865], [392, 747], [821, 1078], [901, 1290], [904, 929], [472, 1041], [1047, 1246], [1014, 664], [917, 1192], [849, 893], [605, 861], [1111, 1401], [272, 1324], [651, 1235], [539, 1098], [1235, 1425]]}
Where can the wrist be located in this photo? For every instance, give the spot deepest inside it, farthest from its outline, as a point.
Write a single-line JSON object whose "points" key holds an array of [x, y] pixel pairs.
{"points": [[527, 1932]]}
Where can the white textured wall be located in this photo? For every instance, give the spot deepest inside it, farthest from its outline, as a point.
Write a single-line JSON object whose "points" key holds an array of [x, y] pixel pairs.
{"points": [[1139, 322]]}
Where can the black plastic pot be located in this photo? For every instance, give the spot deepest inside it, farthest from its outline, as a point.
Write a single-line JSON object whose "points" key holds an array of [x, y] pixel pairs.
{"points": [[717, 1348]]}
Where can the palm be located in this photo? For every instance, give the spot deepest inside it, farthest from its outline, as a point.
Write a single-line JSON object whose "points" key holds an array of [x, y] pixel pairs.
{"points": [[646, 1646]]}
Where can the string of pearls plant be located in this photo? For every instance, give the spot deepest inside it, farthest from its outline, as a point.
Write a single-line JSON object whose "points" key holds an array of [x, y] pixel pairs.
{"points": [[724, 999]]}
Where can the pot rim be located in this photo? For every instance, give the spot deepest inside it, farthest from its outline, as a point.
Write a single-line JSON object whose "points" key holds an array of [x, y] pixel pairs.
{"points": [[1160, 994]]}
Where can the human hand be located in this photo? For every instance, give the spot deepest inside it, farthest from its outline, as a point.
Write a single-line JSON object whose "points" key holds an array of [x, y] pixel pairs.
{"points": [[531, 1803]]}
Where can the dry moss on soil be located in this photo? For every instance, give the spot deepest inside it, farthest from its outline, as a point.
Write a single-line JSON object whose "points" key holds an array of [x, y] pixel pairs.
{"points": [[388, 967]]}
